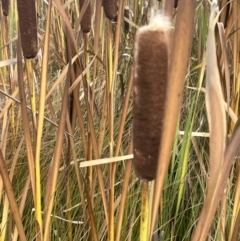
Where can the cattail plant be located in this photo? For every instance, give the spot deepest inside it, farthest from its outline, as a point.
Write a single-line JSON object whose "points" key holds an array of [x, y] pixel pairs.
{"points": [[110, 8], [150, 83], [28, 27], [5, 7], [86, 19]]}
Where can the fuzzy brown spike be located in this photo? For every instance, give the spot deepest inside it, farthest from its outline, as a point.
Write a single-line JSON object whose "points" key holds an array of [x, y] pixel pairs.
{"points": [[150, 84], [28, 27], [175, 3], [86, 19], [110, 8], [5, 7]]}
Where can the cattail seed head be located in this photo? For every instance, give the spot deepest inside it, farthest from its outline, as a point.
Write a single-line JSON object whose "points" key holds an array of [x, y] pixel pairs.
{"points": [[28, 27], [175, 3], [86, 19], [110, 8], [150, 84], [129, 15], [5, 7]]}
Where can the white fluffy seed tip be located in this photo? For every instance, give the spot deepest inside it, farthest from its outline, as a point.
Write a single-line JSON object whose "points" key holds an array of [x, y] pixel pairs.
{"points": [[159, 22]]}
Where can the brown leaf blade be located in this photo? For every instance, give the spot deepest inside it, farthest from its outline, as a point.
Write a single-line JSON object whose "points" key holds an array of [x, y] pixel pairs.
{"points": [[181, 47], [217, 128]]}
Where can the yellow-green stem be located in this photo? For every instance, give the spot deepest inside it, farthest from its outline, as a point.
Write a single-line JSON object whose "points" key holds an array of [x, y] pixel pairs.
{"points": [[111, 100], [144, 212]]}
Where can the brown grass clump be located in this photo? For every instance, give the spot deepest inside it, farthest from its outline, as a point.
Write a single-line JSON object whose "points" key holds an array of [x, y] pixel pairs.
{"points": [[150, 83], [86, 19], [110, 8], [28, 27], [5, 7]]}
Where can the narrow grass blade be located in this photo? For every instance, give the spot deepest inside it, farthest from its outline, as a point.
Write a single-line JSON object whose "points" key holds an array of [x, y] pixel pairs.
{"points": [[225, 60], [124, 114], [53, 171], [126, 179], [22, 205], [6, 203], [11, 197], [204, 224], [41, 120], [225, 11], [27, 135], [235, 222]]}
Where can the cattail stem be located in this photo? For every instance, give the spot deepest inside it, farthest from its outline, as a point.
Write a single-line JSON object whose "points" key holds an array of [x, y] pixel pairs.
{"points": [[144, 212]]}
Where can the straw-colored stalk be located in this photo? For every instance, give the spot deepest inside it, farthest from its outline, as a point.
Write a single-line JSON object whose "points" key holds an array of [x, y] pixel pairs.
{"points": [[28, 27]]}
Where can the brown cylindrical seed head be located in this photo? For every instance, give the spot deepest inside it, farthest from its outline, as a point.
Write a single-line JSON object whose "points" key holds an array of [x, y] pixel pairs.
{"points": [[5, 7], [126, 15], [110, 8], [150, 84], [175, 3], [28, 27], [86, 19]]}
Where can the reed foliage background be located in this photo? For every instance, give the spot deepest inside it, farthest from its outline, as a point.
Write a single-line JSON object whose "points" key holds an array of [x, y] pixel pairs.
{"points": [[72, 103]]}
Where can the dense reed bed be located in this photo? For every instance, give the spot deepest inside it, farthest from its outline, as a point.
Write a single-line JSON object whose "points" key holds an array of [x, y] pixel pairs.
{"points": [[85, 88]]}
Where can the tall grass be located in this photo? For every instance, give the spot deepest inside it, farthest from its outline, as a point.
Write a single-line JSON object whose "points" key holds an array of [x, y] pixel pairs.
{"points": [[73, 104]]}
